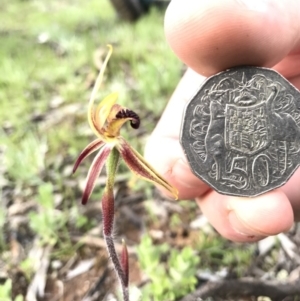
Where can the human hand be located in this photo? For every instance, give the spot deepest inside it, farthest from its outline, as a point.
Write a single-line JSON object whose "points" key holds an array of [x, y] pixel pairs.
{"points": [[210, 36]]}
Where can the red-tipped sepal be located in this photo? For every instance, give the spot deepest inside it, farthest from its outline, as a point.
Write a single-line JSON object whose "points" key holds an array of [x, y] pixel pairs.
{"points": [[94, 172], [125, 263], [140, 166], [92, 147]]}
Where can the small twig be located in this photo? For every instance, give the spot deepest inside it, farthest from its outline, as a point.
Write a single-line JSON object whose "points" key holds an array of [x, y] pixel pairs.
{"points": [[245, 287], [93, 294], [289, 247], [38, 283]]}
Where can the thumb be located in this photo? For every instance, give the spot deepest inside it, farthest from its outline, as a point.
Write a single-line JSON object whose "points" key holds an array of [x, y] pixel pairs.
{"points": [[213, 35]]}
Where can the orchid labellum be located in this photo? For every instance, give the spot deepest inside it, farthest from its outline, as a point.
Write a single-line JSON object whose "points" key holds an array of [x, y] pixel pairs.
{"points": [[106, 121]]}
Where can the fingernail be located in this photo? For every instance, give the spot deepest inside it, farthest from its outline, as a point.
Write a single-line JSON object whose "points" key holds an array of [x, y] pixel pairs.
{"points": [[239, 227]]}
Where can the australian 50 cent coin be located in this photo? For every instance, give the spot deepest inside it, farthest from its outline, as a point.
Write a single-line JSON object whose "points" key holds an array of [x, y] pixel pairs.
{"points": [[241, 131]]}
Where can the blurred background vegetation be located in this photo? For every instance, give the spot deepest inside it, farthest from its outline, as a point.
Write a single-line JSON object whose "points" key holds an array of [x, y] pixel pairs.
{"points": [[50, 53]]}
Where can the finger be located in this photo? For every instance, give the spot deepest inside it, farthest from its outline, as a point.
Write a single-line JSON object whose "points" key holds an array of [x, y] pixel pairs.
{"points": [[171, 161], [210, 36], [248, 219], [289, 67], [292, 191], [295, 81], [163, 150]]}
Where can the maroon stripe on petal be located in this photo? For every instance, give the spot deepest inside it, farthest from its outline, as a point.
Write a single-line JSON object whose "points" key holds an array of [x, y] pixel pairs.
{"points": [[140, 166], [94, 172], [133, 161], [93, 146]]}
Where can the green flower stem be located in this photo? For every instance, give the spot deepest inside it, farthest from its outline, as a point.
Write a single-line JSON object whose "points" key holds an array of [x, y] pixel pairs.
{"points": [[112, 166], [108, 208], [108, 220]]}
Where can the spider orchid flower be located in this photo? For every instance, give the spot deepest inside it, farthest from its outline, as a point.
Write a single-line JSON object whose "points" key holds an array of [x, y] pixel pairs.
{"points": [[106, 121]]}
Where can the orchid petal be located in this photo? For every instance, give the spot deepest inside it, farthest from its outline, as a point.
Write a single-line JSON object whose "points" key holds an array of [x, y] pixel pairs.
{"points": [[94, 172], [91, 117], [117, 117], [139, 166], [92, 147], [104, 108]]}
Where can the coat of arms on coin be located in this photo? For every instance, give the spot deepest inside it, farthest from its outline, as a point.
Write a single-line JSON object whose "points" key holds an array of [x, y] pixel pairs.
{"points": [[241, 131]]}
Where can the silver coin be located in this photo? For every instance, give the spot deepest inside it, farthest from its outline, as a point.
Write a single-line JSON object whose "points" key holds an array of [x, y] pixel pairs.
{"points": [[241, 131]]}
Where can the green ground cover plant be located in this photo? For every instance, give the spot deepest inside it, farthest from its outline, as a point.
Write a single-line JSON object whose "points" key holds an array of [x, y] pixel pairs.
{"points": [[174, 278], [6, 292]]}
